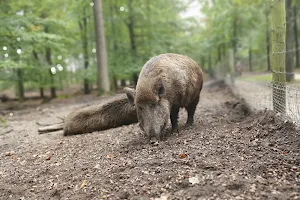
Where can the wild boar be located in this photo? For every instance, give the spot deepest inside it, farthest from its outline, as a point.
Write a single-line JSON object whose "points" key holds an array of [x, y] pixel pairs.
{"points": [[111, 114], [166, 83]]}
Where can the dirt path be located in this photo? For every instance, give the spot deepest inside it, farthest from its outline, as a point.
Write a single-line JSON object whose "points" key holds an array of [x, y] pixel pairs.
{"points": [[227, 154]]}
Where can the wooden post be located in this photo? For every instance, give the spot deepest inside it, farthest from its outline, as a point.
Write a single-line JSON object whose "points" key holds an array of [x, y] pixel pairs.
{"points": [[278, 53]]}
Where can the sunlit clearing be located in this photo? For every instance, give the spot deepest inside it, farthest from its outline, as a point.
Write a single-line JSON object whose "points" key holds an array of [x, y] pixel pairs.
{"points": [[19, 51], [92, 4], [6, 55], [4, 48], [18, 39], [94, 50], [53, 70], [59, 67], [122, 8], [59, 57]]}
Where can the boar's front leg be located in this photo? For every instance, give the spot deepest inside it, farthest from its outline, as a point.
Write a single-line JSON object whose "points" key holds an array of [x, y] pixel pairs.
{"points": [[174, 118]]}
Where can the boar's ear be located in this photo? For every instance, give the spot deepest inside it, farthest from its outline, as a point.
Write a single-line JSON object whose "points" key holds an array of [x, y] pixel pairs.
{"points": [[161, 88], [130, 94]]}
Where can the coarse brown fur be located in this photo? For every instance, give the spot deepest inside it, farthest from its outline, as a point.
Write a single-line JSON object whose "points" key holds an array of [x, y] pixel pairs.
{"points": [[114, 113], [166, 83]]}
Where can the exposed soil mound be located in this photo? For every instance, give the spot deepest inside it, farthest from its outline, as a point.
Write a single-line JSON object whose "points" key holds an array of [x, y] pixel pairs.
{"points": [[229, 153]]}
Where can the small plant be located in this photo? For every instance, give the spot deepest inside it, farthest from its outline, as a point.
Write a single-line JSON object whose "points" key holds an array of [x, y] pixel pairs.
{"points": [[2, 121]]}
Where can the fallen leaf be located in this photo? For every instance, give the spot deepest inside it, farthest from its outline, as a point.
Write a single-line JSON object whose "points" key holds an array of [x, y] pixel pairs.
{"points": [[182, 155], [163, 197], [194, 180], [49, 158], [110, 156], [83, 184], [10, 153]]}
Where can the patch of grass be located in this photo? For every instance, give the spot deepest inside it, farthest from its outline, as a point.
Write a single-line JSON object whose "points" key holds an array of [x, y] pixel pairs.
{"points": [[3, 121], [64, 96], [260, 77]]}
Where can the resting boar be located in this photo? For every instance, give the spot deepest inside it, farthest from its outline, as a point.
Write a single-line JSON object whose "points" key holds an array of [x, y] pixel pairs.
{"points": [[166, 83], [114, 113]]}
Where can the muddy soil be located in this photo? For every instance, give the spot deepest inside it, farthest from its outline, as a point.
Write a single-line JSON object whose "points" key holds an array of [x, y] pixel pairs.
{"points": [[229, 153]]}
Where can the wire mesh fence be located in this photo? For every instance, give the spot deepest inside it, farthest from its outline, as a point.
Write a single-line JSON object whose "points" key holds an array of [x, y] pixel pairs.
{"points": [[267, 81]]}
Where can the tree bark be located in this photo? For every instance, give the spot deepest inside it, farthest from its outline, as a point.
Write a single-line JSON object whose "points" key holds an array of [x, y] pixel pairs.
{"points": [[113, 28], [234, 42], [49, 61], [268, 40], [250, 59], [35, 55], [289, 62], [210, 72], [296, 37], [83, 29], [103, 78], [20, 84], [278, 21], [219, 53], [250, 55], [130, 26]]}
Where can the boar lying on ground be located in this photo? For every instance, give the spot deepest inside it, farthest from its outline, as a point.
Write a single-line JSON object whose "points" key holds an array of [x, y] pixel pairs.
{"points": [[166, 83], [112, 114]]}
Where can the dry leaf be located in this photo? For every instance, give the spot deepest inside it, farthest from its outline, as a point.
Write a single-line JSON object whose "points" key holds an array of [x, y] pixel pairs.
{"points": [[83, 184], [194, 180], [182, 155]]}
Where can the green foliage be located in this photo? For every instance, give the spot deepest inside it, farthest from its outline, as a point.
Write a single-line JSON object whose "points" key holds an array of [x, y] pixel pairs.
{"points": [[35, 26]]}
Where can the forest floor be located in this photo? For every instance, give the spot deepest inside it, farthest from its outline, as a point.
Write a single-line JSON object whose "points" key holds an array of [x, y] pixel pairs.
{"points": [[229, 153]]}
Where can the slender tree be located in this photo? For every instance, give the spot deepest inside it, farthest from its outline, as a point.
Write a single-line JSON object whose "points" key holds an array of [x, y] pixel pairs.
{"points": [[102, 78], [296, 37], [289, 62], [83, 30]]}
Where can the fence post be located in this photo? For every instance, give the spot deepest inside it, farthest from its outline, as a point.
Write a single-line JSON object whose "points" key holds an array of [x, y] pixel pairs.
{"points": [[278, 32]]}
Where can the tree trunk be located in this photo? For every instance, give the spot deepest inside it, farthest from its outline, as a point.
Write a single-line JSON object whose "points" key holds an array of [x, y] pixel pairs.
{"points": [[130, 26], [20, 84], [35, 55], [234, 42], [123, 82], [49, 61], [42, 95], [219, 53], [103, 78], [113, 28], [297, 53], [250, 59], [83, 30], [135, 78], [224, 50], [278, 20], [268, 41], [210, 72], [115, 82], [289, 62]]}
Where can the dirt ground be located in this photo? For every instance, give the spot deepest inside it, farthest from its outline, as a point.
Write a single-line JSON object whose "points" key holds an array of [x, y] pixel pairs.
{"points": [[229, 153]]}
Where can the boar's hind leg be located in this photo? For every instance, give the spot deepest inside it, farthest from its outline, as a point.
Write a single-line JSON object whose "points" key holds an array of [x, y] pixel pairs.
{"points": [[174, 118], [191, 111]]}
